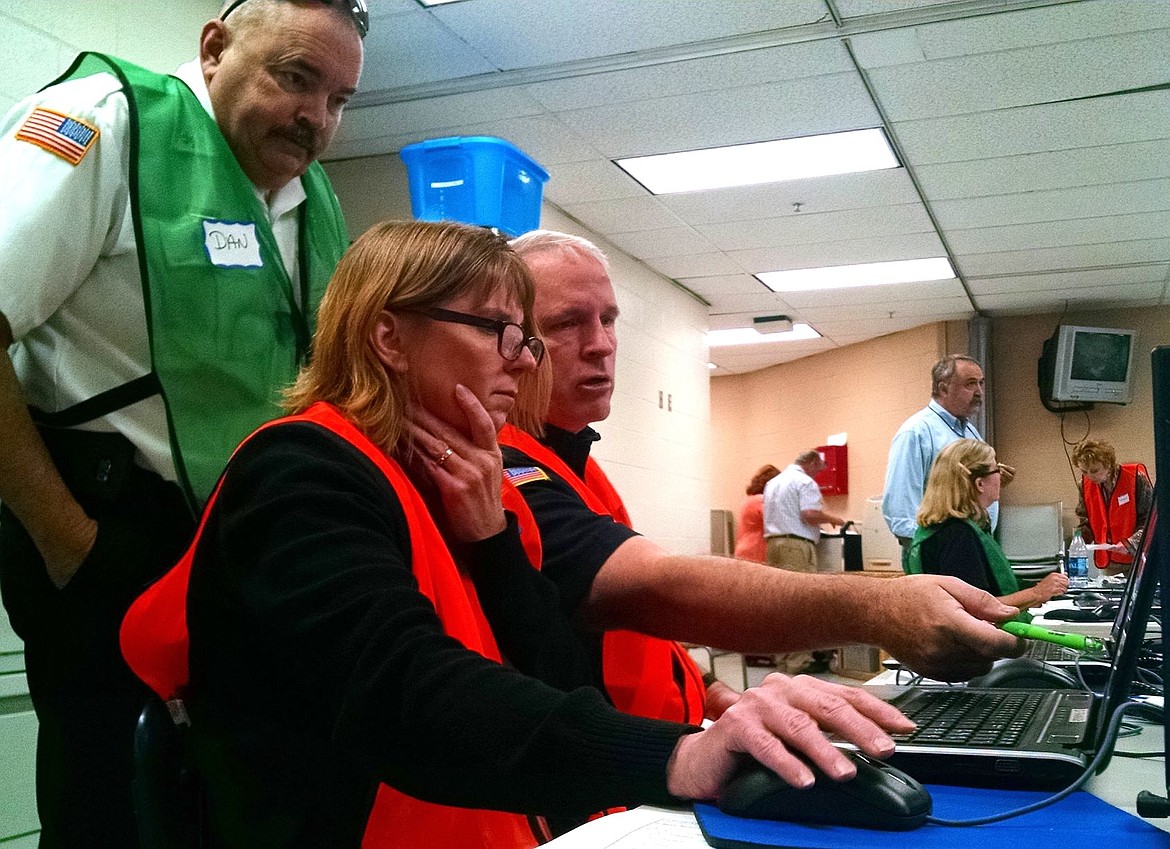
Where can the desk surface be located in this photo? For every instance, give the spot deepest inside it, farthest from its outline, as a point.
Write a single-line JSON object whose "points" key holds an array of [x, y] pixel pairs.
{"points": [[659, 828], [1091, 629]]}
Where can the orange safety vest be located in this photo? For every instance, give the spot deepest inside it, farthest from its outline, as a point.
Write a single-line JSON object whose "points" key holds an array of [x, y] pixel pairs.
{"points": [[1115, 521], [155, 643], [643, 675]]}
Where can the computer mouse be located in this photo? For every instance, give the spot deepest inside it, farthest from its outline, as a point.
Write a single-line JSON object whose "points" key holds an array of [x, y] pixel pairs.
{"points": [[1025, 673], [880, 796]]}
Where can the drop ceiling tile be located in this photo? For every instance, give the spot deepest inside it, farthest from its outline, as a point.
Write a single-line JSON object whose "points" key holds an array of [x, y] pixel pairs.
{"points": [[526, 33], [805, 228], [892, 293], [689, 76], [846, 252], [652, 244], [1005, 79], [591, 180], [737, 284], [1086, 123], [414, 49], [1071, 256], [421, 116], [749, 304], [694, 265], [623, 215], [1049, 281], [1026, 302], [873, 189], [1046, 170], [926, 309], [1055, 204], [1078, 231], [754, 113]]}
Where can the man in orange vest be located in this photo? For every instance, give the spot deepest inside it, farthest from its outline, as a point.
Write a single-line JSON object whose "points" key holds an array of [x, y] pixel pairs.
{"points": [[611, 579], [1114, 506]]}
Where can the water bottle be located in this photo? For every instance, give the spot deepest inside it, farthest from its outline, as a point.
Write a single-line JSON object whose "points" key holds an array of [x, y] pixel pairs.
{"points": [[1078, 563]]}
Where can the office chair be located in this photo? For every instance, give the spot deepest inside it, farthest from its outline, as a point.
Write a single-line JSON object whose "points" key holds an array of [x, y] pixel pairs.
{"points": [[166, 798], [1032, 537]]}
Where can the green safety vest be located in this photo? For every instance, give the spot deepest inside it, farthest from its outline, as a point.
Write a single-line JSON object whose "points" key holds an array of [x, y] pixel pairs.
{"points": [[1001, 569], [224, 340]]}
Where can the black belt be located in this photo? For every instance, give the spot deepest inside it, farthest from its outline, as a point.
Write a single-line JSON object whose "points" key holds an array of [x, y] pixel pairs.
{"points": [[788, 536]]}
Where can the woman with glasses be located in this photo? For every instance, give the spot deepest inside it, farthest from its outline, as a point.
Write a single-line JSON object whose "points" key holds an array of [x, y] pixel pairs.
{"points": [[954, 537], [338, 647]]}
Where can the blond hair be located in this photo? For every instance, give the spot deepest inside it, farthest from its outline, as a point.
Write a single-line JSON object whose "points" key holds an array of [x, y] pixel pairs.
{"points": [[397, 266], [1095, 452], [950, 489]]}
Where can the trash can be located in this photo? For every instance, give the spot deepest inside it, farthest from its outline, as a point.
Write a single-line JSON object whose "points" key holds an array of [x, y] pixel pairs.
{"points": [[842, 549]]}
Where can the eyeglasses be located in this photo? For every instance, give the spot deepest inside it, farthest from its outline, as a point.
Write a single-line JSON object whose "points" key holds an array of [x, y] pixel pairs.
{"points": [[510, 336], [358, 12]]}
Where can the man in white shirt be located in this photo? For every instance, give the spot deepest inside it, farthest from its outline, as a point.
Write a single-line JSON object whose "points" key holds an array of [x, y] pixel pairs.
{"points": [[794, 511], [156, 233]]}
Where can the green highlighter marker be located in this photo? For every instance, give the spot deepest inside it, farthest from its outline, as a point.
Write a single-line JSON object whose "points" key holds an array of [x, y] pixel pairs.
{"points": [[1079, 642]]}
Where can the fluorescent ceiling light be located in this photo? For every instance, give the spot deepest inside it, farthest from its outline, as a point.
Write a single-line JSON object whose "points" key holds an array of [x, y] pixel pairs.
{"points": [[863, 274], [435, 2], [762, 162], [751, 336]]}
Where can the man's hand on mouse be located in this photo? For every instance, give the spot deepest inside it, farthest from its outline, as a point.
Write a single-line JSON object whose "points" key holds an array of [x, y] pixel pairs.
{"points": [[773, 722]]}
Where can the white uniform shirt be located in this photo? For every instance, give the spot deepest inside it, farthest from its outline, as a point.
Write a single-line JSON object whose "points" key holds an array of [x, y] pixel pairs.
{"points": [[69, 280], [785, 496]]}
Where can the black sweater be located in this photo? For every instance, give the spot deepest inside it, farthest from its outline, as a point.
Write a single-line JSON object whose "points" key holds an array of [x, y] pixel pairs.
{"points": [[319, 669]]}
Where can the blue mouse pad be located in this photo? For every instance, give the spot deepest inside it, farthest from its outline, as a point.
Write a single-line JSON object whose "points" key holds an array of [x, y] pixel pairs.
{"points": [[1082, 821]]}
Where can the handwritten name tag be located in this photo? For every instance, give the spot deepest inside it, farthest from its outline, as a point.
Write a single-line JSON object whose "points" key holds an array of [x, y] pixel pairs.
{"points": [[1123, 499], [232, 244]]}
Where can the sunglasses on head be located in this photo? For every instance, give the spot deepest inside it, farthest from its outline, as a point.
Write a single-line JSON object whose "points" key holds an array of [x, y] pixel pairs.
{"points": [[358, 12]]}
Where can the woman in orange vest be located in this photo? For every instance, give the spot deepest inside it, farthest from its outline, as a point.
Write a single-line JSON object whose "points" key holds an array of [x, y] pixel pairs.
{"points": [[1114, 505], [333, 654]]}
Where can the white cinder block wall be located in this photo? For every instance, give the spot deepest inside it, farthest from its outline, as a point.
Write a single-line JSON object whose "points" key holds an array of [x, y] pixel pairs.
{"points": [[657, 456], [40, 38]]}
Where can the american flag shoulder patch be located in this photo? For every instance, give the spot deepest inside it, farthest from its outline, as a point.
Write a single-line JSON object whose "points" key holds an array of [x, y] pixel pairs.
{"points": [[525, 474], [60, 134]]}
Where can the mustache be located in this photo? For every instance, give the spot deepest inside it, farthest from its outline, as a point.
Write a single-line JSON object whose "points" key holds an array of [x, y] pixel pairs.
{"points": [[302, 135]]}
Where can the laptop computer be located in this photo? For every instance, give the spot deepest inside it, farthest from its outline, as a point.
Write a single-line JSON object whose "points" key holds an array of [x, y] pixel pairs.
{"points": [[1160, 361], [1034, 739], [1095, 669]]}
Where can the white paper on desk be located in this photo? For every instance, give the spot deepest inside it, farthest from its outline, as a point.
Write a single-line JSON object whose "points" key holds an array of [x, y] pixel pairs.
{"points": [[642, 828]]}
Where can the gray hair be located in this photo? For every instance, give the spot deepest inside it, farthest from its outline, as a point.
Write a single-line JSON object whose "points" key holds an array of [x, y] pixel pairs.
{"points": [[551, 241], [944, 370], [806, 457]]}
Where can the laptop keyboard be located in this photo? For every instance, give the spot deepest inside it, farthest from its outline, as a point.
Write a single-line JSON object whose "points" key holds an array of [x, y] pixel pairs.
{"points": [[1046, 652], [970, 718]]}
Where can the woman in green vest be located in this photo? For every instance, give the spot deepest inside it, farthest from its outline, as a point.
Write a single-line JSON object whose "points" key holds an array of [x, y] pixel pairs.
{"points": [[953, 536]]}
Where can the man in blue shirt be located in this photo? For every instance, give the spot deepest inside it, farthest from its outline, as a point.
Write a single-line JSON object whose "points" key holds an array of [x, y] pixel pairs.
{"points": [[957, 386]]}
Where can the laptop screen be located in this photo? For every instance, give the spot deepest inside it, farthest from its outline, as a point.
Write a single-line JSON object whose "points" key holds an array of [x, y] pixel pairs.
{"points": [[1130, 628], [1160, 539]]}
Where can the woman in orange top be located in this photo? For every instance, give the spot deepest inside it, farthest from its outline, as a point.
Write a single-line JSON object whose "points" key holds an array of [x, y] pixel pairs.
{"points": [[749, 530]]}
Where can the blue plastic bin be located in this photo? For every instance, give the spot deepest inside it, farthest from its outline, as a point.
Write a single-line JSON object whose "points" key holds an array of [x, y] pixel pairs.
{"points": [[477, 180]]}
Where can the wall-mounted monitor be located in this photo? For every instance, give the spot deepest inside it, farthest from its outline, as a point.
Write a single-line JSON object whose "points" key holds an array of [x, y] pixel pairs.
{"points": [[1088, 365]]}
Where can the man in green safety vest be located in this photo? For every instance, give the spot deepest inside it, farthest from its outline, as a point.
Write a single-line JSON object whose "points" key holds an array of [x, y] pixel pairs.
{"points": [[164, 243]]}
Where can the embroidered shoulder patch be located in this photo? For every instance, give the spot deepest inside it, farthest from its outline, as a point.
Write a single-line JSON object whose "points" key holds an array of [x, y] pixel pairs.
{"points": [[59, 134], [525, 474]]}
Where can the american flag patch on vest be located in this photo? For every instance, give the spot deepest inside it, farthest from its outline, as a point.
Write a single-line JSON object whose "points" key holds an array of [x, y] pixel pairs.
{"points": [[69, 138], [525, 474]]}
